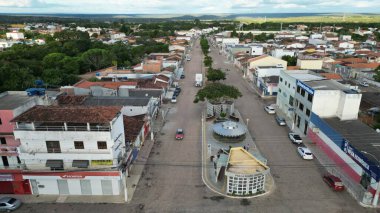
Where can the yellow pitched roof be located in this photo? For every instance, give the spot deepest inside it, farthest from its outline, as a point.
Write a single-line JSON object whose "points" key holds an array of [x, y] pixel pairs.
{"points": [[242, 162]]}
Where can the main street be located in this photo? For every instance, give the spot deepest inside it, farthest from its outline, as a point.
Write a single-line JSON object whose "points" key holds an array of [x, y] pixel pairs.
{"points": [[172, 178]]}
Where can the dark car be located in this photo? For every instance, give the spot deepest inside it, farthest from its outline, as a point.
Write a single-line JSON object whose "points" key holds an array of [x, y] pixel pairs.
{"points": [[280, 121], [182, 76], [334, 182]]}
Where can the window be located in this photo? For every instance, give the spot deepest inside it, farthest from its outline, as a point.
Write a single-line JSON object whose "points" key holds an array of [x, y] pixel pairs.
{"points": [[302, 92], [78, 145], [102, 145], [298, 89], [307, 112], [289, 85], [310, 97], [53, 147], [279, 90], [280, 79], [291, 100], [286, 83], [301, 107], [3, 141], [1, 121]]}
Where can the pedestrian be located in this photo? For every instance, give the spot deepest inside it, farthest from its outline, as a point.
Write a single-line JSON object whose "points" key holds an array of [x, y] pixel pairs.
{"points": [[247, 147]]}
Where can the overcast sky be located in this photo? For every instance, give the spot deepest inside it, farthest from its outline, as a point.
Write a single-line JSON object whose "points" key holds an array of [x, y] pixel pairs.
{"points": [[188, 6]]}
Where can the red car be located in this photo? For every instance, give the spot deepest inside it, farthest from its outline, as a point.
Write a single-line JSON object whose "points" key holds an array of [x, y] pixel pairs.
{"points": [[179, 135], [334, 182]]}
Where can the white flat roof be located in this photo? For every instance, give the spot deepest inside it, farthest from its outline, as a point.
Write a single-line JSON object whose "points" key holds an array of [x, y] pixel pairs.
{"points": [[305, 76]]}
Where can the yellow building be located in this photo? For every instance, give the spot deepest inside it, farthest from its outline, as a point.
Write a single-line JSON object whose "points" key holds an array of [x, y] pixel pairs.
{"points": [[245, 174]]}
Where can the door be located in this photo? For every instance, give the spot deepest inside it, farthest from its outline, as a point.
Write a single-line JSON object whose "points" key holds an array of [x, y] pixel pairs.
{"points": [[6, 187], [107, 187], [34, 187], [85, 186], [5, 160], [63, 187]]}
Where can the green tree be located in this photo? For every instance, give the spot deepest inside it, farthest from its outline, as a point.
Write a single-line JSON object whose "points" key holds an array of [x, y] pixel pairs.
{"points": [[377, 74], [217, 92], [96, 59], [207, 61], [215, 75], [292, 60]]}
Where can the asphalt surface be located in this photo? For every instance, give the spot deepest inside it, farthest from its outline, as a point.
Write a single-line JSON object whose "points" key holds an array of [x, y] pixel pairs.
{"points": [[172, 179]]}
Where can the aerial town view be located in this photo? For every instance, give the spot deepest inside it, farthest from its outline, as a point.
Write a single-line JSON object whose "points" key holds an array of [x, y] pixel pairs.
{"points": [[189, 106]]}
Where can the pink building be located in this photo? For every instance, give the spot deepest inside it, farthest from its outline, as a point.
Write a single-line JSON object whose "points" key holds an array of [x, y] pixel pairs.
{"points": [[12, 104]]}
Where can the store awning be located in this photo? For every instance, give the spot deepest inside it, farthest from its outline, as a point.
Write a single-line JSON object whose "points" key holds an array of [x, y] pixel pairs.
{"points": [[81, 163], [56, 164]]}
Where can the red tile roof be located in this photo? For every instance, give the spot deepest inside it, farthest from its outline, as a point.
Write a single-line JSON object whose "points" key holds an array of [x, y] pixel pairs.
{"points": [[106, 84], [333, 76], [70, 114], [364, 65], [352, 60], [133, 126]]}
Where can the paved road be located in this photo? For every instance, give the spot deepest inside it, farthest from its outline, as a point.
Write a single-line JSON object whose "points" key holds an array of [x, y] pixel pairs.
{"points": [[172, 180]]}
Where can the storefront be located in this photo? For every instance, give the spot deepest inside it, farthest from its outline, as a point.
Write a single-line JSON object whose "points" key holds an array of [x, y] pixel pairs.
{"points": [[76, 183], [13, 183]]}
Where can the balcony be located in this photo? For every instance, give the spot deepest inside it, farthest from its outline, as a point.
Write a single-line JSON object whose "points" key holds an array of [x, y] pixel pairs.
{"points": [[62, 127], [8, 150], [57, 151]]}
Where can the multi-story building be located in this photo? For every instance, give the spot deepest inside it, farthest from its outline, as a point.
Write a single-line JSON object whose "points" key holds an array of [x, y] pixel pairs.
{"points": [[304, 92], [74, 150], [12, 104], [265, 78]]}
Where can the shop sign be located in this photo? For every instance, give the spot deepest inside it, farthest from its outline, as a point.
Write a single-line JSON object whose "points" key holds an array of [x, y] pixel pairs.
{"points": [[373, 170], [305, 87], [6, 177], [65, 176]]}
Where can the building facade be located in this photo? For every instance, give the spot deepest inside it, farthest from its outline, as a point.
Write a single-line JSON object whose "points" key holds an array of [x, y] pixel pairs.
{"points": [[76, 150]]}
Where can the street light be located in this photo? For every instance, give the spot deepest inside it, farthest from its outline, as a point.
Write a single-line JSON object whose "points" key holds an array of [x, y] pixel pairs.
{"points": [[376, 198]]}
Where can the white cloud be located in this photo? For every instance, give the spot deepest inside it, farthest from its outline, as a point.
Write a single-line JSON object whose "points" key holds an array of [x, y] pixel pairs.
{"points": [[15, 3], [287, 6], [188, 6]]}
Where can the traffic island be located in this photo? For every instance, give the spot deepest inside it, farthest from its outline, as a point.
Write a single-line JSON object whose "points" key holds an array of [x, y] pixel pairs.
{"points": [[232, 165]]}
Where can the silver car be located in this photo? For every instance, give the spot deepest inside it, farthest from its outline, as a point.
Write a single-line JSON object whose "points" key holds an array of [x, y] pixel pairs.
{"points": [[9, 204], [280, 121]]}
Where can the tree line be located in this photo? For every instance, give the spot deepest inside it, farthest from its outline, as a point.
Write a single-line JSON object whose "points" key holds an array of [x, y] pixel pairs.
{"points": [[65, 56]]}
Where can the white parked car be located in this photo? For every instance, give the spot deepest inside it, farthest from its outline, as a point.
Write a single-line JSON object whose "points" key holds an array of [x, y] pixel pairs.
{"points": [[364, 84], [270, 109], [174, 99], [295, 138], [305, 153]]}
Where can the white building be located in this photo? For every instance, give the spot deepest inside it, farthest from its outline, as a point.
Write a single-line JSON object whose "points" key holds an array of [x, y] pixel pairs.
{"points": [[7, 44], [257, 50], [15, 36], [117, 36], [345, 37], [266, 79], [316, 36], [227, 41], [76, 150], [346, 45], [245, 174], [303, 92], [279, 53]]}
